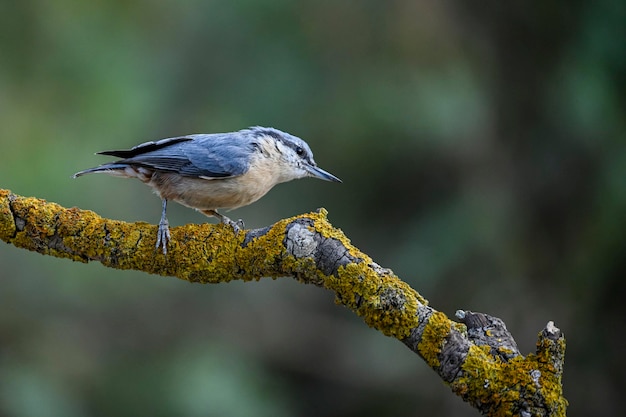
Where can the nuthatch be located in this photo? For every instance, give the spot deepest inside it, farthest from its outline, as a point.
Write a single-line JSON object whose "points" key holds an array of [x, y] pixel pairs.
{"points": [[215, 171]]}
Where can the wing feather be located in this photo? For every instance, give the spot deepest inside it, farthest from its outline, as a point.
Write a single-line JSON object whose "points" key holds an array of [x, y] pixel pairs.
{"points": [[203, 156]]}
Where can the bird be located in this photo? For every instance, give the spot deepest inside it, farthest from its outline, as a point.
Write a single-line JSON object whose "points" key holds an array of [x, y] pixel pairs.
{"points": [[214, 171]]}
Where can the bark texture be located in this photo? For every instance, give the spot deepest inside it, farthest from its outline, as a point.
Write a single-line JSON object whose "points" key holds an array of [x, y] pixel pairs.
{"points": [[476, 355]]}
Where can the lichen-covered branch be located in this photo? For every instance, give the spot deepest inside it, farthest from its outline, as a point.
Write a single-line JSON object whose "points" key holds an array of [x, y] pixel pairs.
{"points": [[477, 357]]}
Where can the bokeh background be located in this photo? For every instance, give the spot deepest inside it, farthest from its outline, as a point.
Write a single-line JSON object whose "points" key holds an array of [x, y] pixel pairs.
{"points": [[483, 153]]}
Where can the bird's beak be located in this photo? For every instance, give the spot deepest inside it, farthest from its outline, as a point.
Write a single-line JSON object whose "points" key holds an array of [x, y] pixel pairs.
{"points": [[321, 174]]}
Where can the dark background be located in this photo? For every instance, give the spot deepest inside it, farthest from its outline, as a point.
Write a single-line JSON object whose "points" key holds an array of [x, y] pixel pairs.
{"points": [[483, 153]]}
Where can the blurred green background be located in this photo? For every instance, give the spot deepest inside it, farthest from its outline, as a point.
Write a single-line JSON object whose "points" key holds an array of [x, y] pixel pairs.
{"points": [[483, 153]]}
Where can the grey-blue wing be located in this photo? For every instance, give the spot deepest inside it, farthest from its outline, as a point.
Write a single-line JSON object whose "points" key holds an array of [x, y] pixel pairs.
{"points": [[210, 156]]}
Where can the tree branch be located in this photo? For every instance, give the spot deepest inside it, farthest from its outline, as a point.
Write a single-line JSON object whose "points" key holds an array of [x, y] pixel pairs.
{"points": [[477, 357]]}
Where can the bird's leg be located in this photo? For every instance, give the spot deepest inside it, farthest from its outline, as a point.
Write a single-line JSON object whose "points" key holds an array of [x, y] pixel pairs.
{"points": [[238, 225], [163, 234]]}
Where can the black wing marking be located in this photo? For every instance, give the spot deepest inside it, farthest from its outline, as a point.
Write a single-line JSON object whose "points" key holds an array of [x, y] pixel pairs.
{"points": [[145, 147]]}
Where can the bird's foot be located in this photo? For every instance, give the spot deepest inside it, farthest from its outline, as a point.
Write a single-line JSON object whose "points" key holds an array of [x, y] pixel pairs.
{"points": [[237, 226], [163, 235]]}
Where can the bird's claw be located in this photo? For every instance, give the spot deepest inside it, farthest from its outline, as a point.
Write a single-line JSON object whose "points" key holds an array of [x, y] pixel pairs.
{"points": [[163, 235], [237, 226]]}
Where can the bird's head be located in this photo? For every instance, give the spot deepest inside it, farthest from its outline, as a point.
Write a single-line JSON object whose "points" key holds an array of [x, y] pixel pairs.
{"points": [[292, 155]]}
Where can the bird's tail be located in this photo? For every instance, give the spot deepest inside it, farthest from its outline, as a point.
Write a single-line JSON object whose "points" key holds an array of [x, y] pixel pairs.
{"points": [[116, 169]]}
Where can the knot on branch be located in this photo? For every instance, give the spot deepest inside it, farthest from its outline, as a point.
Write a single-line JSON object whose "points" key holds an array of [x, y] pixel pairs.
{"points": [[486, 330], [303, 241]]}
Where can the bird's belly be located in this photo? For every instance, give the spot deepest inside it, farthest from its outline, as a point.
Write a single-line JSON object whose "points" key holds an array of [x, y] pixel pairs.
{"points": [[211, 194]]}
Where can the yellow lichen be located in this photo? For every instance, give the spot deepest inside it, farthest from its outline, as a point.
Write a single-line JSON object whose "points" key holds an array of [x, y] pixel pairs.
{"points": [[323, 227], [7, 223], [488, 380], [429, 347], [505, 351]]}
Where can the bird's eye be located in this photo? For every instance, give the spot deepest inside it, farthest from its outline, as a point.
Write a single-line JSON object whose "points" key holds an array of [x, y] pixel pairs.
{"points": [[299, 151]]}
